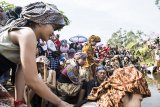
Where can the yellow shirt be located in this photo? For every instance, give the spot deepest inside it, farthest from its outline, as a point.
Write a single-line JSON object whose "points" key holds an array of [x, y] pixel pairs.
{"points": [[90, 53]]}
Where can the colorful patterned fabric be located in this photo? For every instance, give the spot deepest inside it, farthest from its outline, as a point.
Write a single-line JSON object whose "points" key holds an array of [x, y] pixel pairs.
{"points": [[6, 100], [80, 55], [104, 53], [111, 91], [69, 72], [87, 48], [39, 12], [90, 53], [94, 38]]}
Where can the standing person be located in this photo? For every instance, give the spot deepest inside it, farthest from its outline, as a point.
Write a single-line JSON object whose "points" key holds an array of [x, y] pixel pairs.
{"points": [[89, 50], [18, 45], [64, 46], [53, 56], [57, 41]]}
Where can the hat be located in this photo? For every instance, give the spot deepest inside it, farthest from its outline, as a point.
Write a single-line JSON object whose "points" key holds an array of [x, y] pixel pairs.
{"points": [[39, 12], [42, 59]]}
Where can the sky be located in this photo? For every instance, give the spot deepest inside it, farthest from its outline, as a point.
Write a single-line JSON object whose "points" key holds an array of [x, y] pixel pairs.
{"points": [[103, 17]]}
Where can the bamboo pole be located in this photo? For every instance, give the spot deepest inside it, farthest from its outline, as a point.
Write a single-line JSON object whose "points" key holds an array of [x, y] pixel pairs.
{"points": [[45, 72]]}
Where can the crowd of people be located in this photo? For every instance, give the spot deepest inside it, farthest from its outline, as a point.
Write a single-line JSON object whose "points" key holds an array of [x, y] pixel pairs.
{"points": [[52, 72]]}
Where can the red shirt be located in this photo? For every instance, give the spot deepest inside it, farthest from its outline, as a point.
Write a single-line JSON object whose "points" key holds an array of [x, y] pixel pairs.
{"points": [[58, 43], [103, 53]]}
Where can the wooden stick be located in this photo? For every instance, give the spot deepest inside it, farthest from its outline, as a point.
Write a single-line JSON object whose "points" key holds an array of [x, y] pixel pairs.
{"points": [[45, 72]]}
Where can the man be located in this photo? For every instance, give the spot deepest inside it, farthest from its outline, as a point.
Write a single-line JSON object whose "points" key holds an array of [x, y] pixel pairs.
{"points": [[101, 75]]}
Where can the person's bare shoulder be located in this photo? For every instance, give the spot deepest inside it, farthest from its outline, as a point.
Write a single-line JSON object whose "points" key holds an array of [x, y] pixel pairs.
{"points": [[26, 31], [23, 34]]}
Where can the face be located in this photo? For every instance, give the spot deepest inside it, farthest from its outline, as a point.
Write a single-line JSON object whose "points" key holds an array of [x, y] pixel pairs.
{"points": [[40, 67], [101, 75], [135, 101], [81, 61], [46, 31], [93, 43], [108, 62]]}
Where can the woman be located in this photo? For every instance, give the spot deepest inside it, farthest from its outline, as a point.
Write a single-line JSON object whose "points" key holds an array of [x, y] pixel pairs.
{"points": [[69, 82], [64, 46], [18, 45]]}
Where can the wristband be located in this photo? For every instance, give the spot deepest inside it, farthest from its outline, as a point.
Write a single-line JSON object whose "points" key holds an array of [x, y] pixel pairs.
{"points": [[16, 102]]}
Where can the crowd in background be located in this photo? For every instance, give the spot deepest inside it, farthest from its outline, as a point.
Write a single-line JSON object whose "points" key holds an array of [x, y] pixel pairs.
{"points": [[72, 70]]}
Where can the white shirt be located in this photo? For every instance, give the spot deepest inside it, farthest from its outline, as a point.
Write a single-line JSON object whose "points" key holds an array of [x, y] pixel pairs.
{"points": [[51, 46]]}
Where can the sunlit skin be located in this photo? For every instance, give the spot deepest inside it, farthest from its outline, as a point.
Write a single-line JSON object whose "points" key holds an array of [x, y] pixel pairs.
{"points": [[101, 75], [44, 31], [135, 101], [93, 43], [27, 73], [81, 62]]}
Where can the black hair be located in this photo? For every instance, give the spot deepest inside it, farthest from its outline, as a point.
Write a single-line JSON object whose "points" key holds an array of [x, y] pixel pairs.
{"points": [[13, 14], [130, 95], [30, 24]]}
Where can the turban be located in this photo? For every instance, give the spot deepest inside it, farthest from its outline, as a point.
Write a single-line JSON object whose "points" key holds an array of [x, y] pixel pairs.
{"points": [[111, 91]]}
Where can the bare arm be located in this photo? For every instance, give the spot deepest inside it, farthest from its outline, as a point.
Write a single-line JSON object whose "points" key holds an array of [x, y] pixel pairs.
{"points": [[27, 42], [52, 83]]}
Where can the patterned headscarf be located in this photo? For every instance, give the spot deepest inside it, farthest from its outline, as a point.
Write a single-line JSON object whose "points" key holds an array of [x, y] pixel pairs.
{"points": [[94, 38], [40, 12], [100, 67], [110, 92], [80, 55]]}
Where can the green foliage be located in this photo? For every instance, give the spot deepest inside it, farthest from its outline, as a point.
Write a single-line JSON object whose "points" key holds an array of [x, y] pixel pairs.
{"points": [[67, 21], [6, 6], [123, 38], [157, 2], [133, 42], [131, 45]]}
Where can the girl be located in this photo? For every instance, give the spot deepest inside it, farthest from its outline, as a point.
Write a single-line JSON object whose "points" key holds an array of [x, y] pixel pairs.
{"points": [[18, 45]]}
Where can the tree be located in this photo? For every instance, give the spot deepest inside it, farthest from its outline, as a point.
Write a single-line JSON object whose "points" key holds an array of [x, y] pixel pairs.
{"points": [[6, 6], [123, 38], [132, 41], [157, 2]]}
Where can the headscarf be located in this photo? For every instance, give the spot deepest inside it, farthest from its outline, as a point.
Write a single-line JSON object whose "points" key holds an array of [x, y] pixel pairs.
{"points": [[80, 55], [94, 38], [39, 12], [111, 91], [100, 67]]}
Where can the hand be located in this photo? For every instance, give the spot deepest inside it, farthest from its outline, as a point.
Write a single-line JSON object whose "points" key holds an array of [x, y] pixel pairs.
{"points": [[82, 79]]}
